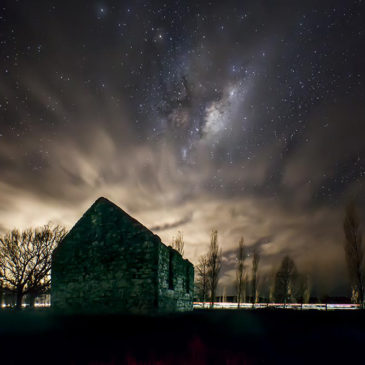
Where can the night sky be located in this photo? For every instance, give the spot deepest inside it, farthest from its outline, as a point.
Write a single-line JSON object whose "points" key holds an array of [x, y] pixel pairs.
{"points": [[243, 116]]}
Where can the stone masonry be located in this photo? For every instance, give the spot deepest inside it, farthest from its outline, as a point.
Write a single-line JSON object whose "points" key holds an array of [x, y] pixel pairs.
{"points": [[111, 263]]}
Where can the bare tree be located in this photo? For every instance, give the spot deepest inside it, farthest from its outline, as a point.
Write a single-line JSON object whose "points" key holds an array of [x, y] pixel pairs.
{"points": [[214, 266], [25, 260], [255, 266], [271, 284], [302, 290], [201, 283], [285, 281], [1, 293], [240, 272], [178, 243], [224, 294], [354, 251]]}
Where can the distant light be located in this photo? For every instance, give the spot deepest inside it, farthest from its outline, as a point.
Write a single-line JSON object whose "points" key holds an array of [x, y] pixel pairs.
{"points": [[292, 306]]}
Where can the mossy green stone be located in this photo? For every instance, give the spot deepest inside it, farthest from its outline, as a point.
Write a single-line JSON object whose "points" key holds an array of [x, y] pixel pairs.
{"points": [[111, 263]]}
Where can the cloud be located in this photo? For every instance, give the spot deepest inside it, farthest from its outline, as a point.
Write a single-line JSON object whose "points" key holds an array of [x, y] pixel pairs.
{"points": [[199, 138], [150, 183], [174, 224]]}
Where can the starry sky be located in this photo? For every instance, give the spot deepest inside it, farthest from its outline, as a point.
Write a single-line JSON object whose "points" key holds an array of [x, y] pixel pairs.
{"points": [[243, 116]]}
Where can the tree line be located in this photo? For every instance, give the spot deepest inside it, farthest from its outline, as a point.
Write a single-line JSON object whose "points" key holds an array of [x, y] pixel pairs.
{"points": [[25, 261], [26, 257], [286, 284]]}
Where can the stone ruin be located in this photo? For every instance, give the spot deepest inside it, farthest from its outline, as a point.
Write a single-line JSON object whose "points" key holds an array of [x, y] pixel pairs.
{"points": [[111, 263]]}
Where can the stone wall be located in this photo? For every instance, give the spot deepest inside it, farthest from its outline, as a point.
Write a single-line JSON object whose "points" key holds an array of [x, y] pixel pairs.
{"points": [[175, 281], [110, 263], [105, 265]]}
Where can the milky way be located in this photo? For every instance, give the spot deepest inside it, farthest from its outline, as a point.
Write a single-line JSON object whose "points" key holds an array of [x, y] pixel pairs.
{"points": [[247, 117]]}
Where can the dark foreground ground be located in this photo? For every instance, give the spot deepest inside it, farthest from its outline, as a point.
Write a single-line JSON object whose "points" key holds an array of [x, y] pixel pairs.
{"points": [[200, 337]]}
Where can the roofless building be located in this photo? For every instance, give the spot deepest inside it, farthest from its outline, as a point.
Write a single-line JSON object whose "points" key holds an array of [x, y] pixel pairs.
{"points": [[111, 263]]}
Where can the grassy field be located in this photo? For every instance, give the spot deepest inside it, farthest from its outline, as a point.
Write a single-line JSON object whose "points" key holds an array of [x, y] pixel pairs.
{"points": [[201, 337]]}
